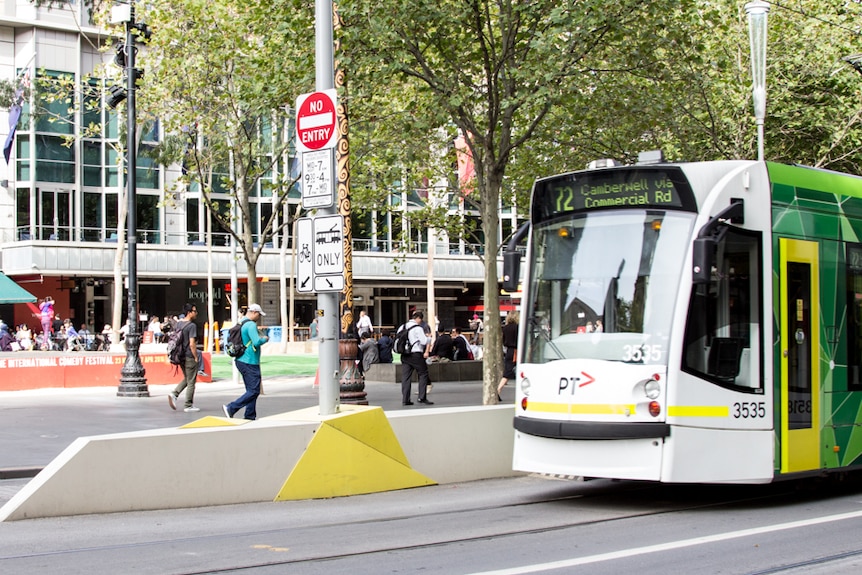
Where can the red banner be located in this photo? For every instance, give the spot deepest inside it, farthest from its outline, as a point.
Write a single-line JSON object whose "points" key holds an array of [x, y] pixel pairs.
{"points": [[36, 370]]}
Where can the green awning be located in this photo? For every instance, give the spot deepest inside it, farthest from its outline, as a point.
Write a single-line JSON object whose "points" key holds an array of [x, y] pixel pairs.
{"points": [[10, 292]]}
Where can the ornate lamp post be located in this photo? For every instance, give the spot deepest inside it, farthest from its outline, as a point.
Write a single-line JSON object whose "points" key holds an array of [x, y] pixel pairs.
{"points": [[757, 12], [133, 382]]}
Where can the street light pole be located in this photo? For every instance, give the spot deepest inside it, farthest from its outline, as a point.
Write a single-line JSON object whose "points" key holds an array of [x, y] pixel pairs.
{"points": [[757, 12], [133, 382]]}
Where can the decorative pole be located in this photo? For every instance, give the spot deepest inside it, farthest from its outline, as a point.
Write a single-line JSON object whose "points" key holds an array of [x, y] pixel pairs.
{"points": [[351, 381], [133, 382], [757, 13]]}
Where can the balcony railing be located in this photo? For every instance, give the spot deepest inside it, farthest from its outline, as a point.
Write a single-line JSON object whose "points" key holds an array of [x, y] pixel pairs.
{"points": [[222, 239]]}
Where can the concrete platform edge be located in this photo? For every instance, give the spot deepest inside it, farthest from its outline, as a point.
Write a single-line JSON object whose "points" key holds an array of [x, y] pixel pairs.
{"points": [[198, 467]]}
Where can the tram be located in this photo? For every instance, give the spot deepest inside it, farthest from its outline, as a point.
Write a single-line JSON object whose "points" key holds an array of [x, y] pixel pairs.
{"points": [[690, 322]]}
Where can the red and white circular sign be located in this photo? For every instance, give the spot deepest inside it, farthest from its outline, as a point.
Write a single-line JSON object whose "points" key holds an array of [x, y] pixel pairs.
{"points": [[315, 121]]}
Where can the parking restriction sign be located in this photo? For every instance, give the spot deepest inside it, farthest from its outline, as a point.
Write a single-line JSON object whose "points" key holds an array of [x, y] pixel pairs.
{"points": [[317, 189]]}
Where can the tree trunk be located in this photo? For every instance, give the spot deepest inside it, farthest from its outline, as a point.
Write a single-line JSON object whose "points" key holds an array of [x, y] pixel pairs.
{"points": [[492, 346]]}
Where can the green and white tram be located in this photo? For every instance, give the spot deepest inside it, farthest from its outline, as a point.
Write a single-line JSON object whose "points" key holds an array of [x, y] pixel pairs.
{"points": [[693, 322]]}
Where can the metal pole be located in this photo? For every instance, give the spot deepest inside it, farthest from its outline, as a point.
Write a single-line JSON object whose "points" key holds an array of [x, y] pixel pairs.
{"points": [[133, 382], [327, 302]]}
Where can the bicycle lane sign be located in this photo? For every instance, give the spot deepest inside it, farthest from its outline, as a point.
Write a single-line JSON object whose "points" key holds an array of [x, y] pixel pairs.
{"points": [[320, 254], [304, 255]]}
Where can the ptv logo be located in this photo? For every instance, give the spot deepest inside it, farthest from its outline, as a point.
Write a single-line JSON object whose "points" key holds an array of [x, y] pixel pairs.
{"points": [[568, 384]]}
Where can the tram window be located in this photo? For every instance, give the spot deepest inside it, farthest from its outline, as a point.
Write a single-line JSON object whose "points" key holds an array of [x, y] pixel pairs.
{"points": [[854, 317], [723, 340]]}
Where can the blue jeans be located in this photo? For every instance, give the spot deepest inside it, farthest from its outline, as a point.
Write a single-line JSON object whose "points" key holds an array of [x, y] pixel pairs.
{"points": [[251, 377]]}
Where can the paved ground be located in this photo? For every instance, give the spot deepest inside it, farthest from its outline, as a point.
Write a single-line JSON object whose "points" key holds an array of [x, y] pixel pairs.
{"points": [[36, 425]]}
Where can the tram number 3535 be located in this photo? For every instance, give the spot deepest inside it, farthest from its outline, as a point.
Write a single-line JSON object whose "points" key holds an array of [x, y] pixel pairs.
{"points": [[749, 409]]}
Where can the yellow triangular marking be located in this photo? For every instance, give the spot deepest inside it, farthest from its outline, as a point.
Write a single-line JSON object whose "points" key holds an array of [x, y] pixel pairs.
{"points": [[336, 464], [213, 421], [372, 428]]}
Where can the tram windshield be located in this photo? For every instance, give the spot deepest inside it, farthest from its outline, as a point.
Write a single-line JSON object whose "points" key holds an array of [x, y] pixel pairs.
{"points": [[603, 285]]}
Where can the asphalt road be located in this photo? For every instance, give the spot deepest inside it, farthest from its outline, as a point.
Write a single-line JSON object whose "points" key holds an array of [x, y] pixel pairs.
{"points": [[528, 524]]}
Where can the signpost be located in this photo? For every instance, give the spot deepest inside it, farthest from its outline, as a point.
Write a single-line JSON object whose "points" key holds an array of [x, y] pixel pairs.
{"points": [[320, 254], [315, 121], [316, 135], [304, 255], [317, 188]]}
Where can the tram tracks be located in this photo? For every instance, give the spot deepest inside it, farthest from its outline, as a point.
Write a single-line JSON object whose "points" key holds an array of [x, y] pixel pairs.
{"points": [[592, 494]]}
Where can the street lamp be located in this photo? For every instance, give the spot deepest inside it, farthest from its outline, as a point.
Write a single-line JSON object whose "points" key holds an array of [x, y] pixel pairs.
{"points": [[757, 12], [854, 60], [133, 382]]}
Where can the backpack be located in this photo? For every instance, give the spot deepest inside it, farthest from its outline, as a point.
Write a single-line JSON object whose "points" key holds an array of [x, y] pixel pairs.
{"points": [[176, 349], [402, 340], [234, 346]]}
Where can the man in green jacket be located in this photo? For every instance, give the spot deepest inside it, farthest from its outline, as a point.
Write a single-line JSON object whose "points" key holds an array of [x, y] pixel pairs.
{"points": [[248, 364]]}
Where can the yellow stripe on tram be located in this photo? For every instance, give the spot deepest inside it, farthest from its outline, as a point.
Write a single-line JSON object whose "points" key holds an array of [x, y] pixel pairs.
{"points": [[581, 409], [698, 411]]}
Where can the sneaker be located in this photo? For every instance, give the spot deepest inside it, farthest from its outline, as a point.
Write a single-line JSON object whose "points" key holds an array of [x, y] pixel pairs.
{"points": [[203, 373], [192, 409], [172, 401], [226, 412]]}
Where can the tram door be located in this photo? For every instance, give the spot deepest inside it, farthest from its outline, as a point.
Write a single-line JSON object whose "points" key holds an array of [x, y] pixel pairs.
{"points": [[800, 344]]}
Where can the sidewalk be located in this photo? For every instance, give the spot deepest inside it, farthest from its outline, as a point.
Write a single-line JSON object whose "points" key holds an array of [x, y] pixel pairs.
{"points": [[37, 425]]}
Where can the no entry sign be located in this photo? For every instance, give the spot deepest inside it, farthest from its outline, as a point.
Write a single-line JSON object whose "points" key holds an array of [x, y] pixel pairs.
{"points": [[315, 121]]}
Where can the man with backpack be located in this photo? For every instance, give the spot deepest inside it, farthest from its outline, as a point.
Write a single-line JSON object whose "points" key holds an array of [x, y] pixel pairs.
{"points": [[413, 359], [188, 353], [248, 364]]}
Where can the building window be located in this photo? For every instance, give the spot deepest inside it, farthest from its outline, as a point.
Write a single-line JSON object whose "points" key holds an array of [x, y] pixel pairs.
{"points": [[55, 161]]}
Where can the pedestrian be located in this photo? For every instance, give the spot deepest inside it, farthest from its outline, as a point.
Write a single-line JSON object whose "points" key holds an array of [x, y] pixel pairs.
{"points": [[86, 337], [107, 338], [417, 343], [460, 345], [72, 337], [46, 315], [510, 350], [444, 348], [6, 338], [24, 337], [155, 326], [312, 330], [478, 326], [368, 352], [248, 365], [364, 324], [384, 347], [188, 340]]}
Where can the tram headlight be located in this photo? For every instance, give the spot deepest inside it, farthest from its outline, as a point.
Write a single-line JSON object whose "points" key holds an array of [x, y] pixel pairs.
{"points": [[525, 385], [652, 389]]}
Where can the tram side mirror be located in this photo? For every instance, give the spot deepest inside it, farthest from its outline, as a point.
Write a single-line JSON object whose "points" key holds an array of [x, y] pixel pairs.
{"points": [[702, 260], [511, 270]]}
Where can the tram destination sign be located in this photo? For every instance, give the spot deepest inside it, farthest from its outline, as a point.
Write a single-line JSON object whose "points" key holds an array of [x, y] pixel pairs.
{"points": [[613, 189]]}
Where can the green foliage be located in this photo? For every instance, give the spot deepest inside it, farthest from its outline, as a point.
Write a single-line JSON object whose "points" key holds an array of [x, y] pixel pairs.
{"points": [[222, 76]]}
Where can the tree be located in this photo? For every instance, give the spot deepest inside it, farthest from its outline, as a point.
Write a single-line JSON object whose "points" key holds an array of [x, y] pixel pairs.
{"points": [[223, 76], [495, 68]]}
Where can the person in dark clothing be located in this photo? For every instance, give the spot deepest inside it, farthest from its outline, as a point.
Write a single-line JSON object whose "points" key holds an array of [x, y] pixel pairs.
{"points": [[6, 338], [414, 360], [460, 345], [443, 347], [384, 347], [510, 350]]}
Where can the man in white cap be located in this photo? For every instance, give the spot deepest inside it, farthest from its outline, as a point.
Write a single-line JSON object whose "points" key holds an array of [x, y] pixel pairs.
{"points": [[248, 364]]}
